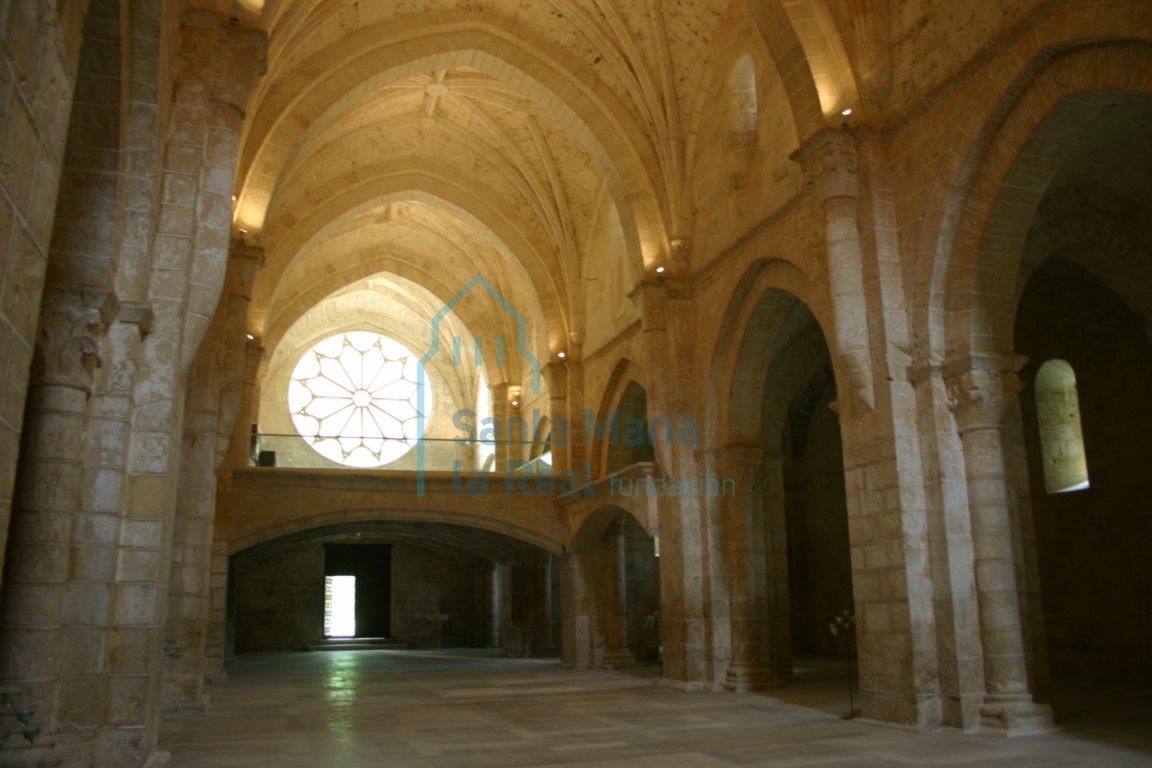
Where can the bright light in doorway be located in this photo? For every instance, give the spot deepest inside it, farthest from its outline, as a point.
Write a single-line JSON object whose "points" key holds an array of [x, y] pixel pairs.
{"points": [[340, 606]]}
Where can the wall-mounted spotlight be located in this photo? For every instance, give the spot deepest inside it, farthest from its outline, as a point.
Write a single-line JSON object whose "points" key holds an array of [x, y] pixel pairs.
{"points": [[659, 270], [250, 337], [847, 115], [562, 355]]}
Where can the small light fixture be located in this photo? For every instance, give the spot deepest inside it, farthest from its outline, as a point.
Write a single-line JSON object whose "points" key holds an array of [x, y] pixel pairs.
{"points": [[250, 337], [515, 403], [847, 112], [561, 354], [659, 270]]}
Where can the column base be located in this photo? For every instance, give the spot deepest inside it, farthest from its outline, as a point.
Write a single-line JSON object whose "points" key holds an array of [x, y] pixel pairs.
{"points": [[742, 678], [618, 659], [159, 760], [38, 756], [1015, 716]]}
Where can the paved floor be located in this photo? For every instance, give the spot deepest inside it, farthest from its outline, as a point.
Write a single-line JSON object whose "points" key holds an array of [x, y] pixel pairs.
{"points": [[467, 708]]}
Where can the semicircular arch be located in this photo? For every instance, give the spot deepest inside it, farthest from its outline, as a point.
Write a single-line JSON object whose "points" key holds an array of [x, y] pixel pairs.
{"points": [[735, 367], [373, 514]]}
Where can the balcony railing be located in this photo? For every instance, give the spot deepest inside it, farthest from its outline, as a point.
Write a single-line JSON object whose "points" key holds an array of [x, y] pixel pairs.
{"points": [[427, 454]]}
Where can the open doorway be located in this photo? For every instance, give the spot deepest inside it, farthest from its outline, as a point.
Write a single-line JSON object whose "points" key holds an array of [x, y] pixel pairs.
{"points": [[357, 590]]}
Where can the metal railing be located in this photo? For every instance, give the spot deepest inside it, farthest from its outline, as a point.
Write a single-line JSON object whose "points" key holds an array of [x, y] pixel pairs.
{"points": [[426, 454]]}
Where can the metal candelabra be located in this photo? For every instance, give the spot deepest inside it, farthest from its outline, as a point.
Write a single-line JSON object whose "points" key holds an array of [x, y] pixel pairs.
{"points": [[16, 713]]}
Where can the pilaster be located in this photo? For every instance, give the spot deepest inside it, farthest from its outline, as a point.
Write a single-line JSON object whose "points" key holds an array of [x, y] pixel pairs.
{"points": [[829, 162]]}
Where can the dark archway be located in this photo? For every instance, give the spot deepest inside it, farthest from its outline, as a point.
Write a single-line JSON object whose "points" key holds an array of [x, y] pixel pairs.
{"points": [[794, 536], [494, 591], [1084, 295], [631, 445], [612, 578]]}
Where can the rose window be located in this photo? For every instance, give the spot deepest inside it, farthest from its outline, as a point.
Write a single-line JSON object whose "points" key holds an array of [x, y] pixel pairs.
{"points": [[355, 399]]}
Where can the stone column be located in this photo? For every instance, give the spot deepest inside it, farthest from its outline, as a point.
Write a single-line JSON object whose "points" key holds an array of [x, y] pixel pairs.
{"points": [[779, 596], [684, 537], [746, 671], [829, 162], [216, 632], [545, 641], [556, 374], [217, 65], [221, 63], [214, 397], [501, 412], [617, 654], [234, 425], [576, 641], [577, 440], [56, 595], [249, 406], [979, 390], [495, 608]]}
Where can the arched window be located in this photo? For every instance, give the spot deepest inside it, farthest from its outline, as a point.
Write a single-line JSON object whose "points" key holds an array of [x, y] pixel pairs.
{"points": [[1061, 437], [743, 111], [354, 399]]}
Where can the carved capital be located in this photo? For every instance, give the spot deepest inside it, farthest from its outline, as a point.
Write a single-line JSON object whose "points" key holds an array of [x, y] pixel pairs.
{"points": [[829, 163], [980, 388], [73, 322]]}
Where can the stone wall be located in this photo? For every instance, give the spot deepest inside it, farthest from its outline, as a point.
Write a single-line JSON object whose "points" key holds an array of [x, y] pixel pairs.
{"points": [[1092, 544], [280, 601], [425, 583], [38, 68]]}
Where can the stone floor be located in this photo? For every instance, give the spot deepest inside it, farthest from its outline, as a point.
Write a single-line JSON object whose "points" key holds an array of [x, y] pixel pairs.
{"points": [[468, 708]]}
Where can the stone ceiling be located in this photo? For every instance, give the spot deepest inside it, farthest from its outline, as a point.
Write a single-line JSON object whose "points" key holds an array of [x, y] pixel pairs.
{"points": [[437, 139]]}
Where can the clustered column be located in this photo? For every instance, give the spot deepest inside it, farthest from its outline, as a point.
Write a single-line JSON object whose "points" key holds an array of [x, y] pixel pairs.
{"points": [[684, 558], [56, 599], [979, 391], [741, 464]]}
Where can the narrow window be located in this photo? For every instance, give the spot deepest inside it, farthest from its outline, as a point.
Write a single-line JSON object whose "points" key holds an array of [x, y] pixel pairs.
{"points": [[742, 102], [1061, 436]]}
